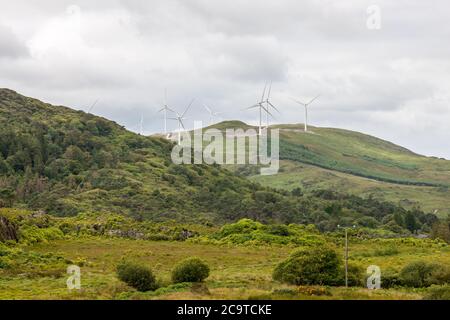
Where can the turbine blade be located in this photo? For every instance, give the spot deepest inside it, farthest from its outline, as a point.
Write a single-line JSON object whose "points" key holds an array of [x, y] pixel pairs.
{"points": [[266, 110], [314, 99], [171, 110], [297, 101], [92, 106], [190, 104], [254, 106], [208, 109], [264, 91], [182, 124], [268, 94], [273, 106]]}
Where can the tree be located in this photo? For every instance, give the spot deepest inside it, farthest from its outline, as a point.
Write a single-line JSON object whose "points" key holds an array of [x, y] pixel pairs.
{"points": [[441, 230], [309, 266], [8, 195], [411, 222]]}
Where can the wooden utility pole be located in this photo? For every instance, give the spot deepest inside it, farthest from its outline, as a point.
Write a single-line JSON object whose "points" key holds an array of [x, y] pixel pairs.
{"points": [[346, 253]]}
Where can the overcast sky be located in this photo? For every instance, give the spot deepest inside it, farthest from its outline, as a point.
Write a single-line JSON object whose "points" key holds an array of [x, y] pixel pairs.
{"points": [[392, 82]]}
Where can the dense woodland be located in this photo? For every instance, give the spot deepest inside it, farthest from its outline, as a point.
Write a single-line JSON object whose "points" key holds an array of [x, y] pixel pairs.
{"points": [[65, 162]]}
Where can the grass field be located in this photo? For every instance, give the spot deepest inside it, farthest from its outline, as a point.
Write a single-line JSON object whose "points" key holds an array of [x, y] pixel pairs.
{"points": [[237, 272]]}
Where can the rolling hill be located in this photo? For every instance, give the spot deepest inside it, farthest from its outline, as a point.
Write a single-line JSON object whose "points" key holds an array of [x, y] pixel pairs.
{"points": [[66, 162], [360, 164]]}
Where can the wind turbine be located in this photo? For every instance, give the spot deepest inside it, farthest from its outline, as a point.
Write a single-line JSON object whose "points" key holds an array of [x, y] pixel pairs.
{"points": [[180, 118], [165, 108], [269, 105], [261, 107], [306, 109], [212, 114]]}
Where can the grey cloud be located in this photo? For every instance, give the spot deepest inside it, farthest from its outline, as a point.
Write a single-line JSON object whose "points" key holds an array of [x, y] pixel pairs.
{"points": [[10, 45], [391, 83]]}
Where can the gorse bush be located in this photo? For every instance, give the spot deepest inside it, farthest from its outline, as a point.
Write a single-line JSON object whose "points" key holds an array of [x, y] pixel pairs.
{"points": [[423, 274], [136, 276], [249, 232], [190, 270], [319, 265]]}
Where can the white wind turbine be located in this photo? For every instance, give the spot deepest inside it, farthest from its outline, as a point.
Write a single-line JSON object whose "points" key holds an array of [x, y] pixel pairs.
{"points": [[261, 107], [269, 104], [165, 108], [179, 118], [212, 114], [306, 109]]}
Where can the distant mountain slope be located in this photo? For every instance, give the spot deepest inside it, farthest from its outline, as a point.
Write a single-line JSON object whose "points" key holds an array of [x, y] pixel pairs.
{"points": [[363, 155], [360, 164]]}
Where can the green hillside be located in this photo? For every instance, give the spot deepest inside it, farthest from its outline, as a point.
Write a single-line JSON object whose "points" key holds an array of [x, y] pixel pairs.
{"points": [[360, 164], [362, 155]]}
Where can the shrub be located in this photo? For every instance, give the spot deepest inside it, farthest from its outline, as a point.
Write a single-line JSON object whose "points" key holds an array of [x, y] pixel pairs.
{"points": [[440, 275], [244, 226], [278, 230], [438, 293], [356, 276], [390, 278], [415, 274], [136, 276], [190, 270], [423, 274], [310, 266]]}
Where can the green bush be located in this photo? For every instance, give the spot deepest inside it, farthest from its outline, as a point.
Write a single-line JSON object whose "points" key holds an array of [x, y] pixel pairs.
{"points": [[420, 274], [390, 278], [190, 270], [136, 276], [309, 266], [438, 293], [356, 276]]}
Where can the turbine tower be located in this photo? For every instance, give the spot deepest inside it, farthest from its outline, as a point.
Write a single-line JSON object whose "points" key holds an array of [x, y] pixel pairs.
{"points": [[179, 118], [141, 123], [306, 109], [261, 107], [165, 108], [212, 114]]}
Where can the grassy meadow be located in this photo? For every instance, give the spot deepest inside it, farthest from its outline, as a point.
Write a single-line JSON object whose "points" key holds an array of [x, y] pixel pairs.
{"points": [[238, 271]]}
